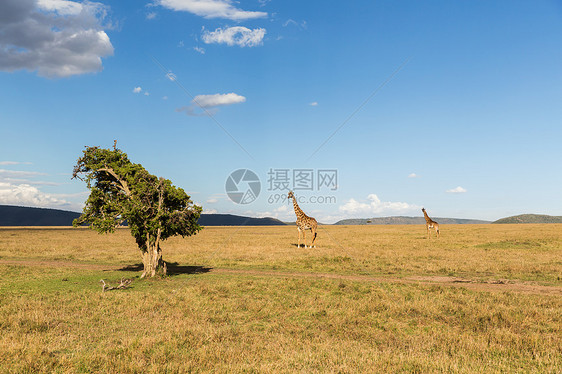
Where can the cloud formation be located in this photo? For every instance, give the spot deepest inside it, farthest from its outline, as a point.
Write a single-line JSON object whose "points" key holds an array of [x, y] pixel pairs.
{"points": [[56, 38], [27, 195], [292, 22], [209, 103], [211, 9], [375, 206], [18, 174], [458, 189], [14, 163], [413, 175], [22, 177], [199, 49], [237, 35]]}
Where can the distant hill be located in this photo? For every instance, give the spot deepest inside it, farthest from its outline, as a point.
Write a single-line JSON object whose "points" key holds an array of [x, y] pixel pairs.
{"points": [[530, 218], [26, 216], [232, 220], [401, 220]]}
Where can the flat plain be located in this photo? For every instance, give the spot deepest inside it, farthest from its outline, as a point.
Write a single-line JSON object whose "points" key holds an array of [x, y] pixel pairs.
{"points": [[481, 298]]}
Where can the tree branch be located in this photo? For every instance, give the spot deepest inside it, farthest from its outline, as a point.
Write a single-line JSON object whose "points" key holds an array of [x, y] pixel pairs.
{"points": [[125, 283], [123, 184]]}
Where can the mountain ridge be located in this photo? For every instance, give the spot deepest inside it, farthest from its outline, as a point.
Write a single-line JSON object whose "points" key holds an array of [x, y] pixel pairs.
{"points": [[405, 220], [530, 218], [11, 215]]}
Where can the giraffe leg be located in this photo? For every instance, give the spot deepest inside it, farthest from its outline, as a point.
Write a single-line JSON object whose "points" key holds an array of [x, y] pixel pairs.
{"points": [[313, 237], [304, 237], [299, 244]]}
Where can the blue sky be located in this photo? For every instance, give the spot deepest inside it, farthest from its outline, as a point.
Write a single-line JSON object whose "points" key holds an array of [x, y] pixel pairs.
{"points": [[449, 105]]}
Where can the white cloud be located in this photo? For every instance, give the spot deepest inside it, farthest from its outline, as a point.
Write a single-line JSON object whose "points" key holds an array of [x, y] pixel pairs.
{"points": [[289, 22], [146, 93], [237, 35], [281, 213], [209, 211], [151, 15], [56, 38], [18, 174], [458, 189], [63, 7], [413, 175], [190, 111], [30, 182], [212, 201], [375, 206], [171, 76], [314, 103], [27, 195], [137, 90], [199, 49], [292, 22], [209, 103], [284, 213], [211, 9], [23, 177], [14, 163]]}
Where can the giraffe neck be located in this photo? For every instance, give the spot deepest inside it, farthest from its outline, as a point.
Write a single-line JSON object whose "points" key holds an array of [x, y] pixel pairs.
{"points": [[427, 219], [298, 211]]}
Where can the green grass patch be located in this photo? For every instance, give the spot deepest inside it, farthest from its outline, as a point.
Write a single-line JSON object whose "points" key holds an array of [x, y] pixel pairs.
{"points": [[219, 322], [54, 317]]}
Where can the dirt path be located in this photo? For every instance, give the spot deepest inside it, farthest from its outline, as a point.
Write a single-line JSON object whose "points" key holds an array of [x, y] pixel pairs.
{"points": [[502, 285], [476, 285]]}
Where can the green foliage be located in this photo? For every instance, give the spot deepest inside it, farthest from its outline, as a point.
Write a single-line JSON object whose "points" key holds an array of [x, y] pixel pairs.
{"points": [[123, 191]]}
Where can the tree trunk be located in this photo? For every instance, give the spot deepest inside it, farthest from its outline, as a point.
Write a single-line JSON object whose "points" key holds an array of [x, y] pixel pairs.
{"points": [[152, 257], [153, 262]]}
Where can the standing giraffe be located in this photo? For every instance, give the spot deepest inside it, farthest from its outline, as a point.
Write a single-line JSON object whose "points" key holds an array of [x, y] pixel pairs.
{"points": [[430, 224], [304, 222]]}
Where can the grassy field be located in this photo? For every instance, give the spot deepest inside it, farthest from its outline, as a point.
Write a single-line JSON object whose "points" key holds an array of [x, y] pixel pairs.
{"points": [[482, 298]]}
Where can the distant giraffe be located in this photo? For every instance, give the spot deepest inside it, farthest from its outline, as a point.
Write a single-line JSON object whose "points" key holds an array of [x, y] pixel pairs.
{"points": [[430, 224], [304, 222]]}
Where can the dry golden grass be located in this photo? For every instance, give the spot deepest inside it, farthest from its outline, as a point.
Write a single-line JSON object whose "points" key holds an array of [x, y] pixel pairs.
{"points": [[368, 299], [485, 252]]}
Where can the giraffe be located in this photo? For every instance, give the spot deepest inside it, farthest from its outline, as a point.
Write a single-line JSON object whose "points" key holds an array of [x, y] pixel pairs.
{"points": [[430, 224], [304, 222]]}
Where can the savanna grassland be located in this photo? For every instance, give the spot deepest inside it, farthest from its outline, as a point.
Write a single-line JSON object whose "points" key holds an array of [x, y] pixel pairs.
{"points": [[481, 299]]}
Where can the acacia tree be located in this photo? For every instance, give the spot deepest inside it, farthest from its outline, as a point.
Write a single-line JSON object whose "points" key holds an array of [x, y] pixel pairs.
{"points": [[122, 191]]}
